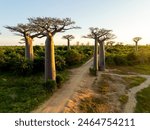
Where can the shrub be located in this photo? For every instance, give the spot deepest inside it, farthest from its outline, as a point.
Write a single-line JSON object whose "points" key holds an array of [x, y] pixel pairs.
{"points": [[59, 80], [60, 63], [73, 57], [38, 65], [92, 71], [50, 85], [23, 67]]}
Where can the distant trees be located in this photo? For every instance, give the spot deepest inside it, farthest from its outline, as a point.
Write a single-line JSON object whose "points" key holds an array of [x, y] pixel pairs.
{"points": [[110, 43], [100, 36], [136, 40], [28, 33], [49, 27], [69, 38]]}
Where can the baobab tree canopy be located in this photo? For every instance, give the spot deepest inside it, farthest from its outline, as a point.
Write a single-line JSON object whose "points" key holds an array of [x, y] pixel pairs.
{"points": [[69, 37], [52, 25], [100, 34], [136, 39], [28, 32], [49, 27]]}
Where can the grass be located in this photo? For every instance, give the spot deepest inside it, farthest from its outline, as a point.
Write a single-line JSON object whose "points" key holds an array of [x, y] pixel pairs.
{"points": [[133, 81], [123, 99], [141, 69], [143, 101], [23, 94], [93, 105]]}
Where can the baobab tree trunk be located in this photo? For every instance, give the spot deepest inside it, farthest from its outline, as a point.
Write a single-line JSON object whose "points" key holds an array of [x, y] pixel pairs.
{"points": [[29, 48], [68, 44], [102, 57], [50, 69], [96, 56], [136, 46]]}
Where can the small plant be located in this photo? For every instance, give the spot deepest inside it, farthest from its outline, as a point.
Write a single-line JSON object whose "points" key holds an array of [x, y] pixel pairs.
{"points": [[50, 85], [123, 99], [59, 80], [92, 71]]}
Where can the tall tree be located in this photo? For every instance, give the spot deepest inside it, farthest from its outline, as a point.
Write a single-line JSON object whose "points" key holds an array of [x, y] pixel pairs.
{"points": [[69, 38], [104, 35], [136, 40], [28, 33], [49, 27], [96, 34]]}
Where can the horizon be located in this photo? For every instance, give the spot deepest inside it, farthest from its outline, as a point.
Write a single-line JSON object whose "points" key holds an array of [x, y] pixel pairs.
{"points": [[127, 19]]}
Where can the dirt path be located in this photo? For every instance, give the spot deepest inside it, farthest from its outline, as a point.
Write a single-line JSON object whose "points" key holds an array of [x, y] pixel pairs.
{"points": [[132, 94], [60, 98], [131, 104]]}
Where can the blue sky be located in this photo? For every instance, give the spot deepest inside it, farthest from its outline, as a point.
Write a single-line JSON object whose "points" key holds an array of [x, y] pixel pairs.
{"points": [[127, 18]]}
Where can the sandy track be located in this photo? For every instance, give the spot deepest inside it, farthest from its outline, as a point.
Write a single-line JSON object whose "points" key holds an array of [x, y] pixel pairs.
{"points": [[60, 98], [131, 104]]}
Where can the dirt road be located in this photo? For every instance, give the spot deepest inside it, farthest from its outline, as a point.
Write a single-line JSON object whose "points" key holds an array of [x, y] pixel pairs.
{"points": [[131, 104], [79, 78]]}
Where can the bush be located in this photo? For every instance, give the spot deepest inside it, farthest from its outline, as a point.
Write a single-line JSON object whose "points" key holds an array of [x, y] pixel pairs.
{"points": [[60, 63], [23, 67], [50, 85], [73, 57], [38, 65], [92, 71], [59, 80]]}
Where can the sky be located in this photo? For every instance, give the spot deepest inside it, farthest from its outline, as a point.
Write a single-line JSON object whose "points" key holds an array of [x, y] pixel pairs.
{"points": [[127, 18]]}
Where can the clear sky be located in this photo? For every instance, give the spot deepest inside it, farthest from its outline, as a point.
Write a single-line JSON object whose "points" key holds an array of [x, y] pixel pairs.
{"points": [[127, 18]]}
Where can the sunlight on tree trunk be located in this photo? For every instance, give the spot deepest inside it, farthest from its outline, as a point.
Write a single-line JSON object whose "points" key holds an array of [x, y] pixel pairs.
{"points": [[102, 56], [29, 48], [136, 46], [50, 69], [96, 56], [68, 44]]}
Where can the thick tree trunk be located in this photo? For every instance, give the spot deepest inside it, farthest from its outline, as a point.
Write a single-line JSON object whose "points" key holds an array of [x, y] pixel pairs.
{"points": [[102, 57], [50, 69], [68, 44], [29, 48], [96, 56], [136, 46]]}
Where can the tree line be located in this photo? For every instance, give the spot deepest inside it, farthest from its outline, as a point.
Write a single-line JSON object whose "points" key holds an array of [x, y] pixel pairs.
{"points": [[47, 27]]}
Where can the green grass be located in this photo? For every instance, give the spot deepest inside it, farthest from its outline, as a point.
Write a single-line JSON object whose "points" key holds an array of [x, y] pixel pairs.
{"points": [[143, 101], [141, 69], [133, 81], [23, 94], [123, 99]]}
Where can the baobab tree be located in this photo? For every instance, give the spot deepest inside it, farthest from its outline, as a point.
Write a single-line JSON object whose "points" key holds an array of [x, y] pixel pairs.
{"points": [[104, 35], [94, 35], [69, 38], [100, 36], [49, 27], [28, 33], [136, 40], [110, 43]]}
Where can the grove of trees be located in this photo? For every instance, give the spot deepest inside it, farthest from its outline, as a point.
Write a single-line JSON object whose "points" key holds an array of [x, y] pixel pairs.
{"points": [[43, 27]]}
